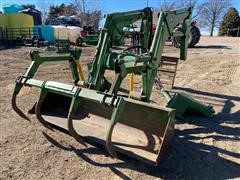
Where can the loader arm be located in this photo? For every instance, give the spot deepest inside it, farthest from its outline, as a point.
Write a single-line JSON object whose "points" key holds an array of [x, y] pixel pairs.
{"points": [[112, 29], [145, 64], [167, 21]]}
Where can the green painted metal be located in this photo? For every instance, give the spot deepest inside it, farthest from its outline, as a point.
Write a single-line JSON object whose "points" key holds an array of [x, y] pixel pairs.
{"points": [[116, 115], [37, 60], [112, 29], [91, 39], [148, 67], [101, 98], [185, 104], [60, 55]]}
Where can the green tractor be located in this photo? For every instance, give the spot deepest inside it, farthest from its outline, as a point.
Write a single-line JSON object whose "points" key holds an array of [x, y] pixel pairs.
{"points": [[88, 36]]}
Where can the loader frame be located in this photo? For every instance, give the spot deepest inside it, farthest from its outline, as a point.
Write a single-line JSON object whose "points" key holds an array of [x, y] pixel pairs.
{"points": [[97, 89]]}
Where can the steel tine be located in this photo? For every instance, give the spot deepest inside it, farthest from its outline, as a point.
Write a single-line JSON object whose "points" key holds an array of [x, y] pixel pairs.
{"points": [[73, 107], [117, 112], [16, 109], [43, 95], [109, 140]]}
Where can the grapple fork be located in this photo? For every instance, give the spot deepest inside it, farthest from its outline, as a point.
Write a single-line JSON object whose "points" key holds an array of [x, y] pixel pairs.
{"points": [[75, 102], [38, 107], [17, 88]]}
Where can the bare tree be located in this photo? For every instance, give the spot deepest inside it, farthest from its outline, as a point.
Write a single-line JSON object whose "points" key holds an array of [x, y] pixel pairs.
{"points": [[81, 5], [85, 6], [43, 7], [196, 7], [211, 13], [166, 5], [89, 12], [190, 3]]}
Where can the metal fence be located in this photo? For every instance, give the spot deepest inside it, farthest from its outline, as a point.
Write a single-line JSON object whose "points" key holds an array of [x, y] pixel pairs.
{"points": [[13, 36]]}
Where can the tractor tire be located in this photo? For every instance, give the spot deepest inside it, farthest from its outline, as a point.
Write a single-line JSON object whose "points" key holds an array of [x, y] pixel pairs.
{"points": [[194, 37]]}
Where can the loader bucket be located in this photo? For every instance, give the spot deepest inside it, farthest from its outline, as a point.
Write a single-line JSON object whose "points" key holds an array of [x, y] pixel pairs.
{"points": [[140, 130]]}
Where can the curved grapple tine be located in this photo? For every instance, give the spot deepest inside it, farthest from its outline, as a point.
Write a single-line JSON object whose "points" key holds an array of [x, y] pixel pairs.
{"points": [[16, 109], [109, 140], [72, 131], [117, 112], [38, 110]]}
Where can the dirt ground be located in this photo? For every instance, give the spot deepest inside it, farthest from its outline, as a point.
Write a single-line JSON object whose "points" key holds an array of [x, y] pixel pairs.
{"points": [[202, 148]]}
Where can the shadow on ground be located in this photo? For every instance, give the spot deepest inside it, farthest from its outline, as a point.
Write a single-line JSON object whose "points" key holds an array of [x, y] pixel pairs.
{"points": [[9, 47], [213, 47], [186, 159]]}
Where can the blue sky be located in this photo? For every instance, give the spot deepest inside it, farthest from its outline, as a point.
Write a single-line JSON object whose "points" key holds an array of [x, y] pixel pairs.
{"points": [[106, 6]]}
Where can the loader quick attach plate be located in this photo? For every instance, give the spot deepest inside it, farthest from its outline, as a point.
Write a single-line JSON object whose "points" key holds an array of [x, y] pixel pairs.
{"points": [[144, 131]]}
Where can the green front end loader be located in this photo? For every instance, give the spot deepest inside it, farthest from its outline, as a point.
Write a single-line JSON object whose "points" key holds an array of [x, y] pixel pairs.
{"points": [[104, 111]]}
